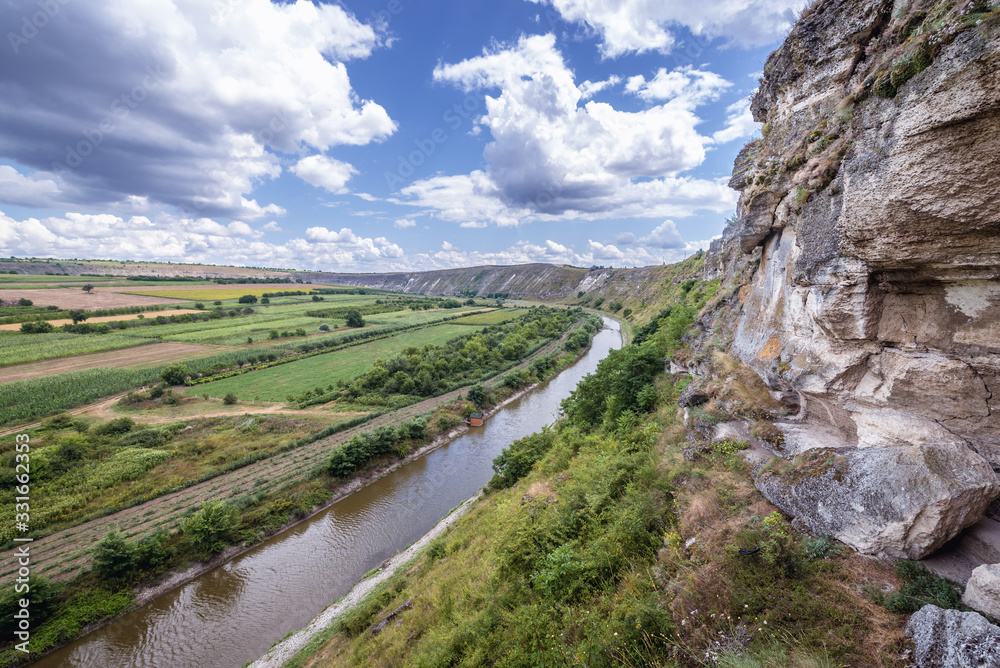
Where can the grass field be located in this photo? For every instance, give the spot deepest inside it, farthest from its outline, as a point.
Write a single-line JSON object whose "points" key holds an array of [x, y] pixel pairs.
{"points": [[17, 348], [276, 383], [409, 317], [491, 318]]}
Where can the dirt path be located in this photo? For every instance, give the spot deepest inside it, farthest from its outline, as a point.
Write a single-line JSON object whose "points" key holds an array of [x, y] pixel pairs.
{"points": [[64, 554]]}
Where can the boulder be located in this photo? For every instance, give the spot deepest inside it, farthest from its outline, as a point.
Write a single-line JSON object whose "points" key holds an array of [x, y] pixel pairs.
{"points": [[898, 502], [692, 395], [953, 639], [983, 591]]}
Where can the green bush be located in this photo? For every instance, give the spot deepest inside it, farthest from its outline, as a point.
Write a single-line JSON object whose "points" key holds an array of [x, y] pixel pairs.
{"points": [[921, 587], [39, 591], [175, 374], [114, 557], [517, 459], [230, 399], [211, 528], [116, 427], [247, 299], [147, 438]]}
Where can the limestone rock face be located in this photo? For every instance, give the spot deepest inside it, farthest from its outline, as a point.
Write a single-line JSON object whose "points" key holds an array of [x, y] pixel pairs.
{"points": [[983, 591], [953, 639], [902, 502], [873, 205]]}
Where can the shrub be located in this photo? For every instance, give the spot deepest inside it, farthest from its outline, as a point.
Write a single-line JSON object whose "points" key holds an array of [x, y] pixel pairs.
{"points": [[230, 399], [199, 305], [477, 395], [920, 587], [175, 374], [265, 300], [116, 427], [517, 459], [36, 327], [42, 595], [114, 557], [247, 299], [210, 529], [147, 438], [324, 327], [25, 302]]}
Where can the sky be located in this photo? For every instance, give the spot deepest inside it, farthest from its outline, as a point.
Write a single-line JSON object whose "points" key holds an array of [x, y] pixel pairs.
{"points": [[375, 135]]}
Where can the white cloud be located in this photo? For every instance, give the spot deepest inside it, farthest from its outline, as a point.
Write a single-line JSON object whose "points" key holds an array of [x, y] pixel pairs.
{"points": [[271, 227], [193, 240], [589, 89], [403, 223], [182, 102], [555, 156], [323, 172], [15, 188], [664, 236], [739, 123], [649, 25]]}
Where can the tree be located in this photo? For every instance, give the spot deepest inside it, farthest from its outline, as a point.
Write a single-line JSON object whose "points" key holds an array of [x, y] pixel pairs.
{"points": [[78, 315], [477, 395], [354, 319], [199, 305], [247, 299], [265, 300], [175, 374], [324, 327], [88, 288], [114, 557], [25, 302]]}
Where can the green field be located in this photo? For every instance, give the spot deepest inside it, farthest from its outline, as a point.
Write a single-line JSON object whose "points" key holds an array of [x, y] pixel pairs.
{"points": [[234, 293], [276, 383], [491, 318], [16, 348], [409, 317]]}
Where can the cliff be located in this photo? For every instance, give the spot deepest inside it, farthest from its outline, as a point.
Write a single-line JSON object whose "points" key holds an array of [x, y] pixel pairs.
{"points": [[869, 244]]}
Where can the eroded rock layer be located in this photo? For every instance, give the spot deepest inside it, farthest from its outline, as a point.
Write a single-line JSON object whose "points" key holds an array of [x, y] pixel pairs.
{"points": [[871, 210]]}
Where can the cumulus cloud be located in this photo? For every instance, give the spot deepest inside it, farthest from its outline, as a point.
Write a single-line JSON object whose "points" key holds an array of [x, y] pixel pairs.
{"points": [[638, 26], [403, 223], [184, 103], [323, 172], [555, 155], [179, 239], [739, 123]]}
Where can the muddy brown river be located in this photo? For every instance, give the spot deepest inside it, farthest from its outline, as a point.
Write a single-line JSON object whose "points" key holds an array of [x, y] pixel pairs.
{"points": [[234, 613]]}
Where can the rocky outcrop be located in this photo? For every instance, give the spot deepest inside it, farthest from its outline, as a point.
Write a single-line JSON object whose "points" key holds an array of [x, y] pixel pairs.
{"points": [[902, 502], [953, 639], [871, 210], [983, 591]]}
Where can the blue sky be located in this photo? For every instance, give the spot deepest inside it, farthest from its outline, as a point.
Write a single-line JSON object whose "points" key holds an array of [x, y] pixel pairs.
{"points": [[375, 135]]}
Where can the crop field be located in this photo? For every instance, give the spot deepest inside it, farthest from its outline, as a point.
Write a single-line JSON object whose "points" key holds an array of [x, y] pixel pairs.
{"points": [[138, 357], [75, 298], [243, 327], [108, 318], [490, 318], [19, 348], [212, 292], [409, 317], [276, 383]]}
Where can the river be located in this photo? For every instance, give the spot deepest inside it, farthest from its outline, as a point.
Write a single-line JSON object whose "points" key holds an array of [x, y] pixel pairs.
{"points": [[234, 613]]}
